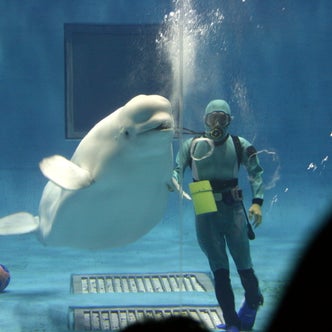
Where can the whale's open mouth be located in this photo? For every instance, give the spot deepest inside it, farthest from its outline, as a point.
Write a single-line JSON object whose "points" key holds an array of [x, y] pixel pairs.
{"points": [[166, 125]]}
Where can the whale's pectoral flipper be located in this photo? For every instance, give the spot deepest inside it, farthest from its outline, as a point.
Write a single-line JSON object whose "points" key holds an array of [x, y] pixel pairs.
{"points": [[65, 173], [18, 223]]}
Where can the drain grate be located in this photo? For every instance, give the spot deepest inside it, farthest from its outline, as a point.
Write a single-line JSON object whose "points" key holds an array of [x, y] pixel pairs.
{"points": [[108, 319], [136, 283]]}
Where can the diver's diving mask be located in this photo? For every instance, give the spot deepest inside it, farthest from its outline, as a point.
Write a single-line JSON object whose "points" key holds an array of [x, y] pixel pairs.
{"points": [[217, 121], [217, 118]]}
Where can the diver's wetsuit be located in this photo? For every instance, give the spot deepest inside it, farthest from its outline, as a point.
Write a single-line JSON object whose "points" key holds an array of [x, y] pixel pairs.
{"points": [[227, 227]]}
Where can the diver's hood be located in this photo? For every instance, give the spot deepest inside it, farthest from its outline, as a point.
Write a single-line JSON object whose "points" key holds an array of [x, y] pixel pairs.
{"points": [[217, 105]]}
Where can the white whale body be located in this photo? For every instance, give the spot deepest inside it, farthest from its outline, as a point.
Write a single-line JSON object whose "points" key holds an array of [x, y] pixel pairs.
{"points": [[114, 188]]}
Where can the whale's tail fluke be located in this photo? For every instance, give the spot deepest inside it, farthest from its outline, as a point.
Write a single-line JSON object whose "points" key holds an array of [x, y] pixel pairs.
{"points": [[18, 223]]}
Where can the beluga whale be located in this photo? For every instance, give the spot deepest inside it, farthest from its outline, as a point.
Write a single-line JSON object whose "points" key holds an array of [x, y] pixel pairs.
{"points": [[113, 190]]}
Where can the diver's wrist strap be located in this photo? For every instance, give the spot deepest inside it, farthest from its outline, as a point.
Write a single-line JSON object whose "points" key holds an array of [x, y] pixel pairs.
{"points": [[258, 201]]}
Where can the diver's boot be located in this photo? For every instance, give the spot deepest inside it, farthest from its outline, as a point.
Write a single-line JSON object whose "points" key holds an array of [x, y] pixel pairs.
{"points": [[225, 297], [247, 316], [228, 328], [253, 299]]}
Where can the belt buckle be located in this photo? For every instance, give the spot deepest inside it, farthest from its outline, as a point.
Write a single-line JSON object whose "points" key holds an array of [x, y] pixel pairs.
{"points": [[236, 194]]}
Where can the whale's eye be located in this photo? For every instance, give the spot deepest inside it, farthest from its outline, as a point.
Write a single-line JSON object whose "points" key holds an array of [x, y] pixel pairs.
{"points": [[125, 132]]}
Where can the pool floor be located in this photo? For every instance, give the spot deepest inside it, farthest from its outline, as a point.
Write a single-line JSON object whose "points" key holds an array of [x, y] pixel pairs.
{"points": [[40, 295]]}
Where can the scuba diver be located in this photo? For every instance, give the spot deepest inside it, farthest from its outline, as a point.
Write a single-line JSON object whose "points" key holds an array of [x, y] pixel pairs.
{"points": [[221, 219]]}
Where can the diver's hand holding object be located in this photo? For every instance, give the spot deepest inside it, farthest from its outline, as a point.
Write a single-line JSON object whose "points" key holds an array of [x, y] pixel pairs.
{"points": [[174, 185], [255, 214]]}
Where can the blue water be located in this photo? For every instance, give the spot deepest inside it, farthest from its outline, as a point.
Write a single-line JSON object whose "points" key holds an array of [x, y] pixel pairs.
{"points": [[269, 59]]}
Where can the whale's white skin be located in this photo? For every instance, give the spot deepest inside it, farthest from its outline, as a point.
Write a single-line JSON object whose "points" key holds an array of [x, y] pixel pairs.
{"points": [[114, 188]]}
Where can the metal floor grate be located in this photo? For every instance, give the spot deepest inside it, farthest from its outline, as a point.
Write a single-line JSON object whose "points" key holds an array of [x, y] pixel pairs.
{"points": [[109, 319], [137, 283]]}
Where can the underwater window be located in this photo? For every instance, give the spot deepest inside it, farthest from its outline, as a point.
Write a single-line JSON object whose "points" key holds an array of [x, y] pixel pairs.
{"points": [[106, 66]]}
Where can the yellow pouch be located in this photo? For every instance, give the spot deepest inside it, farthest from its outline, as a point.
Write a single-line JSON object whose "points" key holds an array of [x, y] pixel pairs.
{"points": [[202, 197]]}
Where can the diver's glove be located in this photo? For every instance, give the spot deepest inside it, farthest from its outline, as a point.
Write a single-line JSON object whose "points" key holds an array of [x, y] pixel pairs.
{"points": [[255, 212], [174, 185]]}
